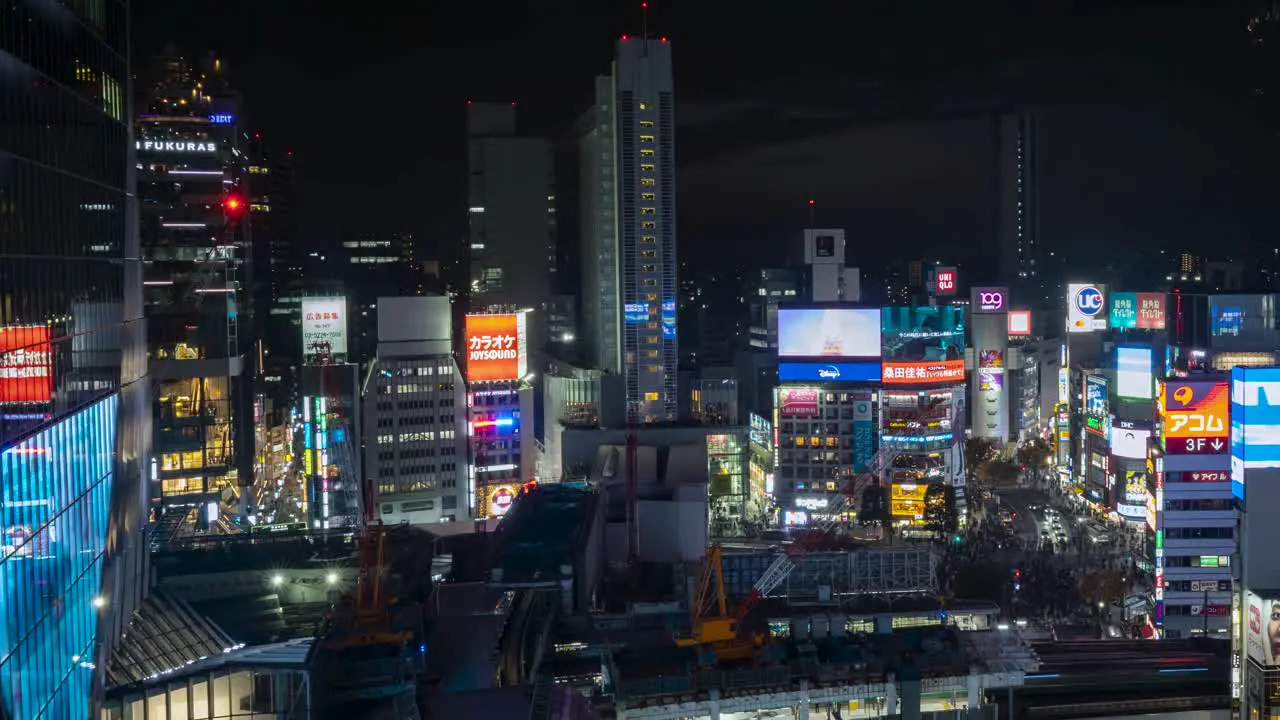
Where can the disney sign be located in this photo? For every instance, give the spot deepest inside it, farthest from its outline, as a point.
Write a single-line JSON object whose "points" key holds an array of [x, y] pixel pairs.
{"points": [[990, 300]]}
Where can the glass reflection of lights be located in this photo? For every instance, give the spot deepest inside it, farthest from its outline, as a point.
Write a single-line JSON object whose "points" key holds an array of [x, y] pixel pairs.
{"points": [[55, 493]]}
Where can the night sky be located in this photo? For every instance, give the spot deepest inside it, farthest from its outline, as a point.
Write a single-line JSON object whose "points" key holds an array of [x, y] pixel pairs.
{"points": [[881, 112]]}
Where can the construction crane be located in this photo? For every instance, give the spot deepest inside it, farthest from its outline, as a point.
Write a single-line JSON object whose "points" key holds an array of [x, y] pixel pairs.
{"points": [[366, 659], [721, 633], [715, 632]]}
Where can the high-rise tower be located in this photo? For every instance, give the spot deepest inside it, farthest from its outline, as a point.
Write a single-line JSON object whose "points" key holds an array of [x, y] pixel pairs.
{"points": [[1018, 185], [509, 218], [628, 178], [74, 405]]}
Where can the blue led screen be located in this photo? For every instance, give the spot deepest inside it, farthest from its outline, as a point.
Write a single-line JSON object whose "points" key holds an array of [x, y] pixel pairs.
{"points": [[55, 493]]}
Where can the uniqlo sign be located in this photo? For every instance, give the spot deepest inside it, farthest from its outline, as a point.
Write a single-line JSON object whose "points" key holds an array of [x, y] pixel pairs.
{"points": [[495, 347], [945, 281]]}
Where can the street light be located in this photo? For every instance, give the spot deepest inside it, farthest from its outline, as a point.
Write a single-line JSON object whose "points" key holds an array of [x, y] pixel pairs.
{"points": [[277, 580], [331, 578]]}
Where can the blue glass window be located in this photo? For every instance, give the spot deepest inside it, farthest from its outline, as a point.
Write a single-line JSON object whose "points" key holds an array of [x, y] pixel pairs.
{"points": [[55, 492]]}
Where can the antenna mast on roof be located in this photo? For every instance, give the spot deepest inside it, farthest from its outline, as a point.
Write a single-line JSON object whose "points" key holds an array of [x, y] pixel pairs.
{"points": [[644, 19]]}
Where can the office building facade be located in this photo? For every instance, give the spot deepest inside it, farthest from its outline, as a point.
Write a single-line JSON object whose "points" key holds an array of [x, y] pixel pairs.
{"points": [[196, 244], [415, 415], [627, 154], [74, 410]]}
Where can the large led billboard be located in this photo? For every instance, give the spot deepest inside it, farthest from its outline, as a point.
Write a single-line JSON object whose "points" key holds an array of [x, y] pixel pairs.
{"points": [[26, 364], [495, 347], [1193, 415], [1262, 629], [913, 334], [1086, 308], [1133, 373], [1255, 422], [1129, 442], [1096, 409], [324, 320], [828, 332]]}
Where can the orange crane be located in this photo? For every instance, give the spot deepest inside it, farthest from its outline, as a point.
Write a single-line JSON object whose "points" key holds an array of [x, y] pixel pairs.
{"points": [[721, 633], [715, 631]]}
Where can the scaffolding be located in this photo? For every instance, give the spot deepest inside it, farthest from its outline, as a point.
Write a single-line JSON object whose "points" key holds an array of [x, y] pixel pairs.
{"points": [[827, 577]]}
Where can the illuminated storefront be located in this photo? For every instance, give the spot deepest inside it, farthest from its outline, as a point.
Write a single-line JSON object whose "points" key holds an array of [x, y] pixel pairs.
{"points": [[55, 492]]}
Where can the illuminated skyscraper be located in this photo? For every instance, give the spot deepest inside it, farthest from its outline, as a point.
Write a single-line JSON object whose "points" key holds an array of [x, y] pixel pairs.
{"points": [[74, 405], [194, 227], [628, 225]]}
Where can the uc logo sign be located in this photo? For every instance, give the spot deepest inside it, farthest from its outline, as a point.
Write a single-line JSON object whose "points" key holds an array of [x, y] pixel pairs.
{"points": [[1089, 300]]}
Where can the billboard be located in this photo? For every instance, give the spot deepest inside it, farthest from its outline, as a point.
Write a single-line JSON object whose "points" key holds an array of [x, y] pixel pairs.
{"points": [[495, 347], [324, 320], [1019, 322], [1255, 422], [1129, 442], [829, 371], [1143, 311], [1086, 308], [863, 430], [1194, 415], [633, 313], [1135, 488], [1096, 410], [1262, 630], [1133, 372], [989, 299], [912, 334], [910, 373], [990, 380], [798, 402], [944, 281], [833, 332], [26, 364]]}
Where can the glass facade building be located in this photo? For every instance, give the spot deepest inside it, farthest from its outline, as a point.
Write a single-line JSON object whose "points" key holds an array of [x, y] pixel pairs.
{"points": [[74, 409], [56, 489]]}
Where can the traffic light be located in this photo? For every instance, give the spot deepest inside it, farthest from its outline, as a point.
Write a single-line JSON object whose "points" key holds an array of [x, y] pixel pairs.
{"points": [[233, 206]]}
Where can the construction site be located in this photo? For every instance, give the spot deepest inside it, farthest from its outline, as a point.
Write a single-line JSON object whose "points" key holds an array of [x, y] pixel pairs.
{"points": [[561, 610]]}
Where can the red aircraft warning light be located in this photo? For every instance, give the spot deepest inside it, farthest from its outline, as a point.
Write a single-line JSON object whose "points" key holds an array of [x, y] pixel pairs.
{"points": [[233, 205]]}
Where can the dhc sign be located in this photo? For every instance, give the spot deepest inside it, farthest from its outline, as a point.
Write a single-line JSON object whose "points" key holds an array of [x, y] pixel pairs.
{"points": [[183, 146]]}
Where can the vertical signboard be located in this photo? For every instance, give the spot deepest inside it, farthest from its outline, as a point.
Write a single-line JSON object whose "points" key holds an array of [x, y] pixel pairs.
{"points": [[324, 320], [495, 347], [1124, 310], [1134, 378], [1096, 410], [1255, 423], [1151, 311], [863, 430], [944, 281], [1019, 322], [990, 406]]}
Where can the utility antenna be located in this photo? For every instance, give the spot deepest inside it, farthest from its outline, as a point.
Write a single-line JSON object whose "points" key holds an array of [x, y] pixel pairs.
{"points": [[644, 19], [812, 204]]}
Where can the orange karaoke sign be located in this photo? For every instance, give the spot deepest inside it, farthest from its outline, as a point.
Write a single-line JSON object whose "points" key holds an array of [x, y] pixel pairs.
{"points": [[495, 347]]}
